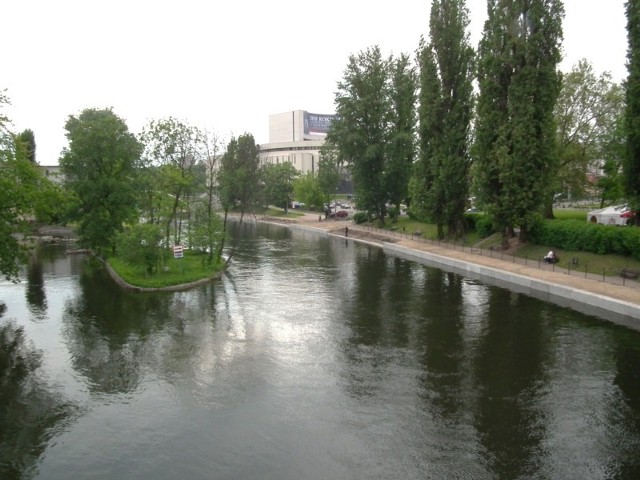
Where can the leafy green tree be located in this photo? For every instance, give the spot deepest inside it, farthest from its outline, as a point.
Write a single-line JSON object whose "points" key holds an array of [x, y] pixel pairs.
{"points": [[25, 194], [99, 165], [445, 112], [613, 147], [140, 244], [306, 189], [278, 184], [631, 164], [361, 130], [209, 227], [28, 141], [587, 113], [515, 130], [172, 149], [328, 171], [238, 178]]}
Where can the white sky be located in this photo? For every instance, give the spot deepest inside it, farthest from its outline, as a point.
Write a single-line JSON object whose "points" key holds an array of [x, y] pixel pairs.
{"points": [[227, 65]]}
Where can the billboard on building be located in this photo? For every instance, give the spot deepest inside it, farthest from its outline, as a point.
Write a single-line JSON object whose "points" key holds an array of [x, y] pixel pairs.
{"points": [[317, 122]]}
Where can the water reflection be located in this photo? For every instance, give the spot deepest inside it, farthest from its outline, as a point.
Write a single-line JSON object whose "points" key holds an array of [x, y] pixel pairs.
{"points": [[107, 330], [510, 376], [36, 297], [313, 359], [31, 412]]}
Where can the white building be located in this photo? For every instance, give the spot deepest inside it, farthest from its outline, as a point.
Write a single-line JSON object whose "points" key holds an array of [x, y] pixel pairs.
{"points": [[296, 137]]}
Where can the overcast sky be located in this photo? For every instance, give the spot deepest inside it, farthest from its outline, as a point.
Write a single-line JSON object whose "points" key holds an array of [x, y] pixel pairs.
{"points": [[225, 66]]}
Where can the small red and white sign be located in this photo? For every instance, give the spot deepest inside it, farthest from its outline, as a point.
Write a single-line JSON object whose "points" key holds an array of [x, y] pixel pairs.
{"points": [[178, 251]]}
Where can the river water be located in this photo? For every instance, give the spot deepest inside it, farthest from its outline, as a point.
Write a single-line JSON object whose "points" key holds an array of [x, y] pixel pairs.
{"points": [[313, 358]]}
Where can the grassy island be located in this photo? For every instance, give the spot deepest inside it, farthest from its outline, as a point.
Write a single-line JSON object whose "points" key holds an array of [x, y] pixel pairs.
{"points": [[191, 268]]}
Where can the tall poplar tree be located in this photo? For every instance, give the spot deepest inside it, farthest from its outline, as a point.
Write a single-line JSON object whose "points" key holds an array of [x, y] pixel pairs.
{"points": [[631, 164], [401, 142], [440, 184], [519, 83]]}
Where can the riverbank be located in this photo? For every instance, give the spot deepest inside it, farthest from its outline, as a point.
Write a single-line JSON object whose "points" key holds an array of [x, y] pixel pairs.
{"points": [[616, 303]]}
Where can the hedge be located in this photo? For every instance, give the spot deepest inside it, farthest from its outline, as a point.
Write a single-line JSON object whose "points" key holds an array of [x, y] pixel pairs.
{"points": [[587, 237]]}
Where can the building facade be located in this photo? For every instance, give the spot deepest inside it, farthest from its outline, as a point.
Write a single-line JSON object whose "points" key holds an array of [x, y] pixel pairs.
{"points": [[296, 137]]}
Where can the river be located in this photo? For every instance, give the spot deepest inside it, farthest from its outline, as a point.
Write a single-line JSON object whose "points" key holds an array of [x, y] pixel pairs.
{"points": [[313, 358]]}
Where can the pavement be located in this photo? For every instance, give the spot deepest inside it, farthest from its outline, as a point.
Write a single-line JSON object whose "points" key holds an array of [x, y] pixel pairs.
{"points": [[612, 288]]}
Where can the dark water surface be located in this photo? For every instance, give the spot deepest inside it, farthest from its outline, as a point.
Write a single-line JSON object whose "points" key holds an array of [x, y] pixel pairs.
{"points": [[313, 358]]}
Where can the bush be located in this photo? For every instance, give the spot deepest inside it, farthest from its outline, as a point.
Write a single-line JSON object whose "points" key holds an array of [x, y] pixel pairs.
{"points": [[587, 237], [359, 217], [484, 227]]}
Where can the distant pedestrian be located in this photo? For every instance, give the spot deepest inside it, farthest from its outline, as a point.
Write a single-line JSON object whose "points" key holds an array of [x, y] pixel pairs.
{"points": [[346, 231]]}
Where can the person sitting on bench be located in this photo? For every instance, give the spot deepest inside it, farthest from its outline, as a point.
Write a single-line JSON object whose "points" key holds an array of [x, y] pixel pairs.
{"points": [[551, 257]]}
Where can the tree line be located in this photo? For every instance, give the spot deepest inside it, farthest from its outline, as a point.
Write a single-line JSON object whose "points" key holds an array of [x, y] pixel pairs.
{"points": [[136, 196], [498, 126]]}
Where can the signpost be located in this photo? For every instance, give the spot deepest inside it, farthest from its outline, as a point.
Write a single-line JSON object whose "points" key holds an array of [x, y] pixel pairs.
{"points": [[178, 251]]}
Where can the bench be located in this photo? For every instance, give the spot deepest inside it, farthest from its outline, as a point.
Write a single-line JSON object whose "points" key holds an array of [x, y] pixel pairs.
{"points": [[629, 273]]}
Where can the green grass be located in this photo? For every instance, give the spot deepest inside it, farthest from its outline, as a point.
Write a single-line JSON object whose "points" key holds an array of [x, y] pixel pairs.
{"points": [[279, 212], [427, 230], [591, 262], [176, 271], [570, 214]]}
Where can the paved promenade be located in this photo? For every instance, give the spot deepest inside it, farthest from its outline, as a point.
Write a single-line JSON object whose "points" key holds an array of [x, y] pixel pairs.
{"points": [[585, 294]]}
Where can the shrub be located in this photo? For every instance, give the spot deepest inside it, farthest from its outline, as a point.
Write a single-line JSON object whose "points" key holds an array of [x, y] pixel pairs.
{"points": [[588, 237], [484, 227], [359, 217]]}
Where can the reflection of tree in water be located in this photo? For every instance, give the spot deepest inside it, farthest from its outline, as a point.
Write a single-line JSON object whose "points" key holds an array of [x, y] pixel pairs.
{"points": [[30, 412], [511, 373], [36, 298], [107, 330], [441, 336], [624, 430]]}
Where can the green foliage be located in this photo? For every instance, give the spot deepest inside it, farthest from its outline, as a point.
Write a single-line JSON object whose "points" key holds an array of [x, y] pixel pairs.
{"points": [[238, 179], [239, 173], [589, 237], [440, 184], [278, 184], [206, 232], [363, 128], [27, 140], [401, 147], [484, 226], [328, 171], [360, 217], [515, 129], [25, 194], [631, 163], [180, 271], [588, 114], [99, 165], [172, 150], [140, 245], [308, 191]]}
